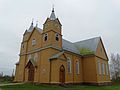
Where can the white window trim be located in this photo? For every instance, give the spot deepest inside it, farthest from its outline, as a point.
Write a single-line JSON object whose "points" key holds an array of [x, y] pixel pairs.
{"points": [[107, 70], [33, 42], [77, 67], [103, 69], [99, 67], [69, 67]]}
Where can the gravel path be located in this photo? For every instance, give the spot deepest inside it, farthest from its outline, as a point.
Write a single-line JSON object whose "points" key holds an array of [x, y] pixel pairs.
{"points": [[10, 84]]}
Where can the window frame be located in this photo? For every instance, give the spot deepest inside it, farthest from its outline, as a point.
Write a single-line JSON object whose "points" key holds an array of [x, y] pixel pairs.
{"points": [[103, 69], [57, 36], [33, 42], [69, 65], [77, 67], [107, 69], [99, 67]]}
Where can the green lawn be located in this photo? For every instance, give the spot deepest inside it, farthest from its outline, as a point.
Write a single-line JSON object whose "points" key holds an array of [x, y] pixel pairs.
{"points": [[51, 87]]}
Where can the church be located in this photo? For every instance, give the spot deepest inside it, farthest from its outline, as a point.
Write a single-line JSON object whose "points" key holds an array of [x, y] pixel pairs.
{"points": [[45, 57]]}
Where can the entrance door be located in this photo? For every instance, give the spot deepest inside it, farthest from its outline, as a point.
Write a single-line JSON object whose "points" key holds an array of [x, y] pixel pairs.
{"points": [[62, 74], [31, 73]]}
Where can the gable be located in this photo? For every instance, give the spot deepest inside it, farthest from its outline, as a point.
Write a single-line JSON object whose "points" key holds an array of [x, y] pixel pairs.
{"points": [[59, 55], [90, 44], [101, 52], [26, 36], [35, 34], [31, 61]]}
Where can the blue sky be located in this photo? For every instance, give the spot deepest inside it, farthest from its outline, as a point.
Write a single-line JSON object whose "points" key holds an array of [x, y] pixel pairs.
{"points": [[81, 19]]}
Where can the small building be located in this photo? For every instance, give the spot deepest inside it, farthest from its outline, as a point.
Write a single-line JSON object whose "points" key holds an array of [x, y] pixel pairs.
{"points": [[45, 57]]}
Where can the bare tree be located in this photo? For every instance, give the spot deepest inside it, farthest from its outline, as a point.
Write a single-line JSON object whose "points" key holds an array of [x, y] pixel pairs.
{"points": [[1, 74], [115, 67]]}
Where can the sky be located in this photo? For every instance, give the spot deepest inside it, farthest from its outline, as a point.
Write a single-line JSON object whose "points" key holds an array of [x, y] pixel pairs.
{"points": [[80, 19]]}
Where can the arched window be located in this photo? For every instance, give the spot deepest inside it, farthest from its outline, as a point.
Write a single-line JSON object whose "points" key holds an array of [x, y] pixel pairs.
{"points": [[107, 70], [45, 37], [77, 67], [57, 37], [69, 65], [33, 42], [103, 69], [99, 67]]}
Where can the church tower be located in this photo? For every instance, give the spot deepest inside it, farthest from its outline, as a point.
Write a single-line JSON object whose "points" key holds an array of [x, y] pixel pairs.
{"points": [[52, 35]]}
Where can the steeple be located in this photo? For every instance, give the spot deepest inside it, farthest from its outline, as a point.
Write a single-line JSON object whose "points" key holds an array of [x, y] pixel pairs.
{"points": [[52, 16], [52, 34]]}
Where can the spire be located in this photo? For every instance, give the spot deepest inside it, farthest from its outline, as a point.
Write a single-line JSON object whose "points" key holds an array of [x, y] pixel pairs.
{"points": [[52, 16]]}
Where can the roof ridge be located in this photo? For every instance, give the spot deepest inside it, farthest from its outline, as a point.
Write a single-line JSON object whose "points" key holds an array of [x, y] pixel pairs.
{"points": [[68, 41], [87, 39]]}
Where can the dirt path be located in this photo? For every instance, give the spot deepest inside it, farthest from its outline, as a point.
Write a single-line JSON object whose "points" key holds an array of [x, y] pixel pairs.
{"points": [[10, 84]]}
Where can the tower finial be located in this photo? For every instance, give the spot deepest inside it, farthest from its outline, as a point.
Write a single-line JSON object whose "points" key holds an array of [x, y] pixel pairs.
{"points": [[53, 8], [52, 16]]}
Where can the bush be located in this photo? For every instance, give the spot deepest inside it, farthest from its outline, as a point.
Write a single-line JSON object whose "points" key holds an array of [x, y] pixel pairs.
{"points": [[6, 78]]}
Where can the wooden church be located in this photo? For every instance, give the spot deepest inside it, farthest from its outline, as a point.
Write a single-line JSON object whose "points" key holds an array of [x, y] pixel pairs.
{"points": [[45, 57]]}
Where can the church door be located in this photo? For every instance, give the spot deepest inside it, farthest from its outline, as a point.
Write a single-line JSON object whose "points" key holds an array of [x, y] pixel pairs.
{"points": [[62, 74], [31, 73]]}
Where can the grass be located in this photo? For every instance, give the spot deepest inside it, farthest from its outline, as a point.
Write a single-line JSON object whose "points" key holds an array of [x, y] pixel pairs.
{"points": [[85, 51], [53, 87]]}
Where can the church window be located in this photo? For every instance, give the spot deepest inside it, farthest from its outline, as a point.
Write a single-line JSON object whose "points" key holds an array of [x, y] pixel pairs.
{"points": [[103, 69], [77, 67], [107, 72], [69, 65], [45, 37], [57, 37], [99, 66], [33, 42]]}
